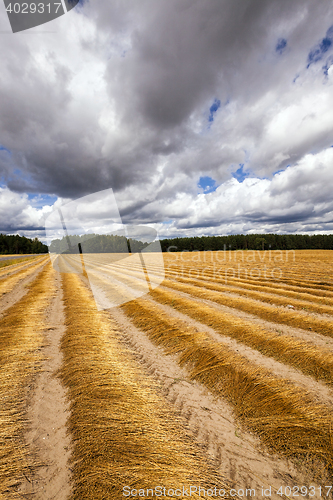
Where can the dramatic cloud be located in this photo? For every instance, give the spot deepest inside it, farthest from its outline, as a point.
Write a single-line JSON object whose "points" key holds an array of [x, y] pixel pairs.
{"points": [[202, 116]]}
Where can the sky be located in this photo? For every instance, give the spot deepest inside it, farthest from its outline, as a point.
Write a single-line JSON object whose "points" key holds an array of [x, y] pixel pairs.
{"points": [[204, 117]]}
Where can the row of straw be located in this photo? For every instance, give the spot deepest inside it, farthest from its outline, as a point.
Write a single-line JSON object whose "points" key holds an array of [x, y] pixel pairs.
{"points": [[320, 293], [12, 263], [267, 312], [264, 293], [13, 268], [283, 415], [21, 339], [7, 284], [128, 277], [235, 278], [309, 358], [246, 271], [123, 432]]}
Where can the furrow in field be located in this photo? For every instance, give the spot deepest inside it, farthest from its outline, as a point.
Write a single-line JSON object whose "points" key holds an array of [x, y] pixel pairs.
{"points": [[232, 275], [133, 280], [238, 271], [211, 419], [7, 284], [18, 291], [283, 415], [306, 284], [279, 368], [115, 288], [310, 359], [7, 266], [111, 286], [265, 285], [99, 262], [21, 339], [17, 267], [133, 283], [260, 286], [124, 434], [261, 296], [265, 311], [311, 337]]}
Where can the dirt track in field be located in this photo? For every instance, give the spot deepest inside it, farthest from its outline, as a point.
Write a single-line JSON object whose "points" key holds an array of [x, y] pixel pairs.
{"points": [[238, 454], [46, 406], [211, 420], [14, 295], [320, 390], [47, 414]]}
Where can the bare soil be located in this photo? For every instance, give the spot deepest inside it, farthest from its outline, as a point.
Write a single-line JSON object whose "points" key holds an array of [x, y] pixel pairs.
{"points": [[237, 452], [313, 337], [10, 298], [320, 391], [48, 410]]}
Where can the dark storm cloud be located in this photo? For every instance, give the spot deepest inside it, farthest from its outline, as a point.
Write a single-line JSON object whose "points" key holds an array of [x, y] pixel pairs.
{"points": [[184, 52], [148, 97]]}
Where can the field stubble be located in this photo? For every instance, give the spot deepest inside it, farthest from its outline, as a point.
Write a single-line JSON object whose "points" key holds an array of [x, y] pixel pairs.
{"points": [[122, 429], [20, 358], [123, 432]]}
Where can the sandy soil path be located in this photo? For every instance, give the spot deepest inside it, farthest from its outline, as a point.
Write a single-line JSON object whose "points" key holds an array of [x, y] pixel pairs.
{"points": [[47, 414], [10, 298], [320, 391], [21, 256], [237, 453], [299, 333]]}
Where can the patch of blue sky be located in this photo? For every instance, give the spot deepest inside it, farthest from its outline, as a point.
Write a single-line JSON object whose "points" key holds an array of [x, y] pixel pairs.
{"points": [[317, 53], [327, 66], [213, 109], [25, 176], [240, 175], [281, 45], [166, 222], [41, 200], [2, 148], [18, 173], [281, 170], [278, 172], [207, 184]]}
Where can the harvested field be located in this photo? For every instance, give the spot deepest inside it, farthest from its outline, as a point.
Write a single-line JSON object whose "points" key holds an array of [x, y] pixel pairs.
{"points": [[11, 261], [13, 276], [123, 432], [21, 341], [214, 370]]}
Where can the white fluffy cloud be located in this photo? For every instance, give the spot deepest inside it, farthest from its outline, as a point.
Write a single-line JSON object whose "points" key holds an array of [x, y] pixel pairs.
{"points": [[297, 199], [119, 96]]}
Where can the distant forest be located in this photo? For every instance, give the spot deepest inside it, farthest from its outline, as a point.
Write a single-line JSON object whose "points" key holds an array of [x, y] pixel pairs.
{"points": [[94, 243], [250, 242], [97, 243], [15, 244]]}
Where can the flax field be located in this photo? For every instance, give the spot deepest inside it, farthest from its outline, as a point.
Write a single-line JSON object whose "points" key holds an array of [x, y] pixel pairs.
{"points": [[209, 375]]}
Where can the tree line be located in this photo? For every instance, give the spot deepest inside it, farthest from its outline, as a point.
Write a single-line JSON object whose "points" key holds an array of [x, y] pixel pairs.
{"points": [[96, 243], [15, 244], [250, 242]]}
